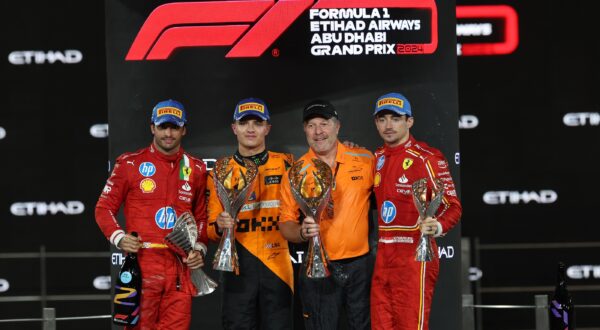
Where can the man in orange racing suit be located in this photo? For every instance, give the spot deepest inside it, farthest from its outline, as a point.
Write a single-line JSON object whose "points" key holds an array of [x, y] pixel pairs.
{"points": [[260, 297], [157, 184], [402, 288]]}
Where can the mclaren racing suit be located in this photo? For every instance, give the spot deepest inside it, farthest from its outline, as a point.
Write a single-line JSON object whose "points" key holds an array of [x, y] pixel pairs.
{"points": [[260, 297], [157, 188], [402, 288]]}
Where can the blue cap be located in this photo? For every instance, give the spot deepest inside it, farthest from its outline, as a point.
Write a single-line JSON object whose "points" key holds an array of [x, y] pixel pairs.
{"points": [[251, 106], [394, 102], [169, 111]]}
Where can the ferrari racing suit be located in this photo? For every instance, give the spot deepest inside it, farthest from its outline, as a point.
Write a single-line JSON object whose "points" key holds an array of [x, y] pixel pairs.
{"points": [[156, 189], [402, 288]]}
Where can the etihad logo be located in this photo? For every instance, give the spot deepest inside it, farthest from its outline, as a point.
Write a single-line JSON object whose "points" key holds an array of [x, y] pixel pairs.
{"points": [[468, 122], [99, 131], [391, 101], [4, 285], [169, 111], [46, 208], [580, 272], [102, 282], [520, 197], [582, 119], [249, 26], [251, 106], [26, 57]]}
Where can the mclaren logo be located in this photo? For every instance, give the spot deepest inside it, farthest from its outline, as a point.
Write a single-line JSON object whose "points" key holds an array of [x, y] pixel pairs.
{"points": [[520, 197], [249, 26]]}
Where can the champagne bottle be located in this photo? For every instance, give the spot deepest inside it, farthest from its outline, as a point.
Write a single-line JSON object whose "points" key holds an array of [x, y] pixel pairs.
{"points": [[128, 289], [562, 311]]}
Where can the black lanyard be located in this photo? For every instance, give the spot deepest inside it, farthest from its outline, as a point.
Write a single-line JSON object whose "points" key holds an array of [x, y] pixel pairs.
{"points": [[337, 167]]}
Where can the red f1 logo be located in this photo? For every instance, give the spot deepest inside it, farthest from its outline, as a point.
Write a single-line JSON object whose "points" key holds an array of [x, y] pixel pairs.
{"points": [[225, 23], [511, 29]]}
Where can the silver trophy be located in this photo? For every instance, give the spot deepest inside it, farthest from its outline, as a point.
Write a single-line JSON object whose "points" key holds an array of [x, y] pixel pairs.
{"points": [[313, 203], [182, 240], [232, 196], [427, 207]]}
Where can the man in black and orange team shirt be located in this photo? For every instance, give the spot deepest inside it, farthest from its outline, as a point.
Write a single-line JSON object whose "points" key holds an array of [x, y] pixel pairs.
{"points": [[260, 297], [157, 184], [344, 233], [402, 288]]}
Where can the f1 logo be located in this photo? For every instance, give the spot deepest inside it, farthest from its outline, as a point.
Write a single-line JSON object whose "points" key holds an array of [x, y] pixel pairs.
{"points": [[225, 23]]}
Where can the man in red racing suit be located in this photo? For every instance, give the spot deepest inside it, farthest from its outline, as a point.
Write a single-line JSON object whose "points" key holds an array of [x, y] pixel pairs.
{"points": [[157, 184], [402, 288]]}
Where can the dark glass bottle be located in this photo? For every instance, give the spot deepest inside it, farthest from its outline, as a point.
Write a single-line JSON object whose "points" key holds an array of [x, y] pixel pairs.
{"points": [[128, 289], [562, 311]]}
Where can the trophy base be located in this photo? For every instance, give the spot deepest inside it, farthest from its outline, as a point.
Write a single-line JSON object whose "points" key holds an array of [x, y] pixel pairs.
{"points": [[204, 284], [226, 263]]}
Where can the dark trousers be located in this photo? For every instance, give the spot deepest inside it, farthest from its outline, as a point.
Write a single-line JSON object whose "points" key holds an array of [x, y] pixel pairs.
{"points": [[347, 288], [255, 299]]}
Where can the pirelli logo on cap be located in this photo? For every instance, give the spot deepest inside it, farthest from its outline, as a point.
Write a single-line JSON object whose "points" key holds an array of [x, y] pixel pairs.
{"points": [[391, 101], [251, 106], [169, 111]]}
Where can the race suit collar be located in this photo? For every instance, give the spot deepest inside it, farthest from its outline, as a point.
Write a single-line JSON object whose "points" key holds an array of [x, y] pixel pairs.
{"points": [[400, 148], [258, 159], [166, 158]]}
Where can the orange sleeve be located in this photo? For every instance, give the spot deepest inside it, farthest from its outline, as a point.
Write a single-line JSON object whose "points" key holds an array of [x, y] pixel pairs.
{"points": [[288, 208], [214, 208]]}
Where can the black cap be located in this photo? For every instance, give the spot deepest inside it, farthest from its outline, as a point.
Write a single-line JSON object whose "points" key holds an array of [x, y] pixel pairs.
{"points": [[319, 108]]}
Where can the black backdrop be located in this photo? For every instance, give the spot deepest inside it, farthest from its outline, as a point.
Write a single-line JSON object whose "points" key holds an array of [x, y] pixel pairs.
{"points": [[53, 161], [522, 145], [529, 124]]}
